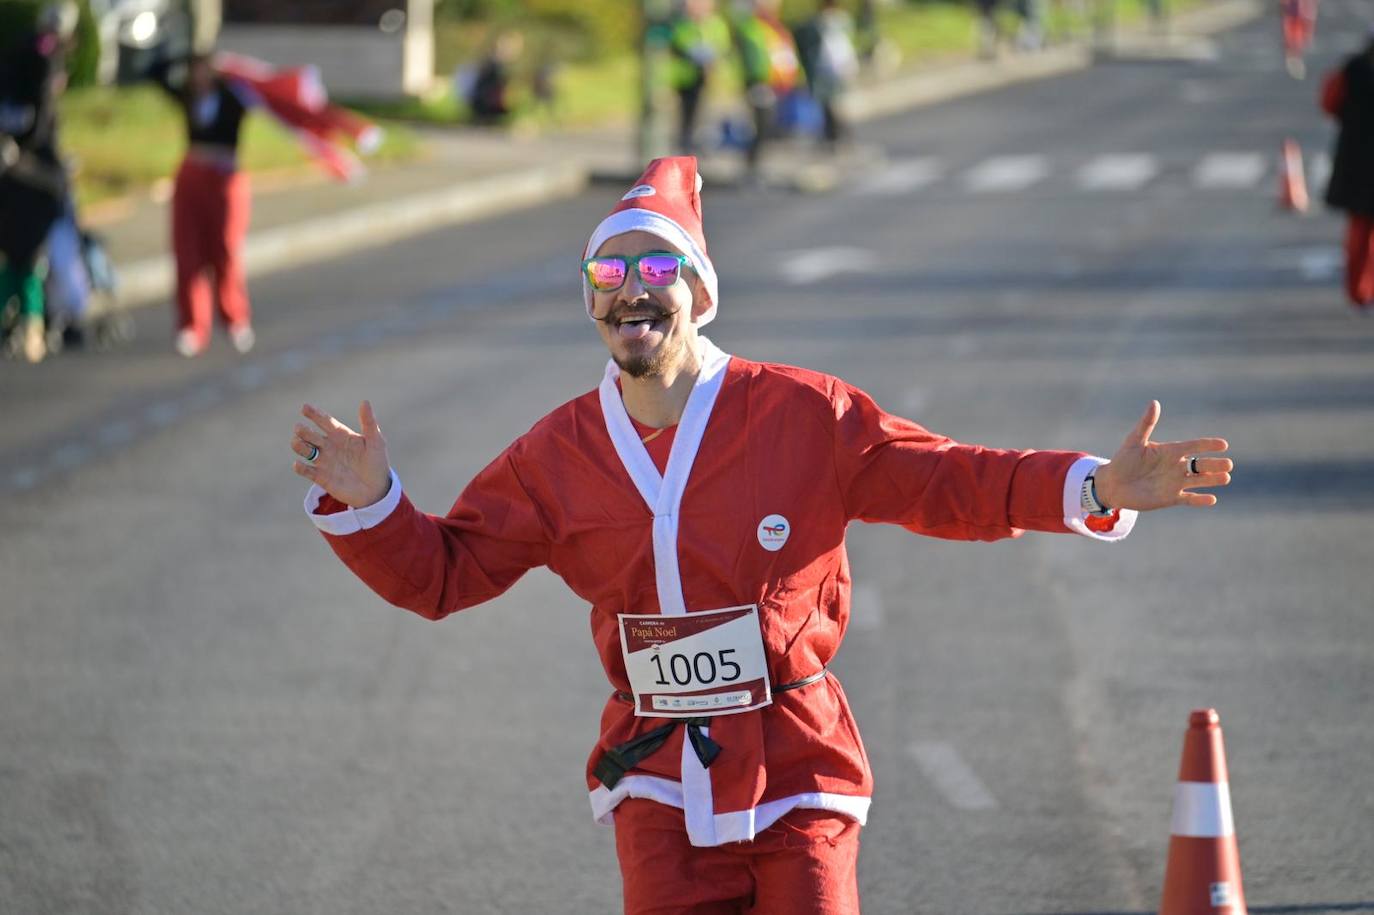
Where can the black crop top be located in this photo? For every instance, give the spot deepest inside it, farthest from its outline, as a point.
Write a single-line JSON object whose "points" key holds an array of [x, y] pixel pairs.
{"points": [[214, 118]]}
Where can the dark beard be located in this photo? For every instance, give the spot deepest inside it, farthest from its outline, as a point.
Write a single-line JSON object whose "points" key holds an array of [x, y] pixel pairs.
{"points": [[649, 366]]}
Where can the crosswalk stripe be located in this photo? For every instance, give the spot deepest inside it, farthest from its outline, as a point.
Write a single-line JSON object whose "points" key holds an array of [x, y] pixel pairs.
{"points": [[1123, 172], [1230, 170], [1006, 173], [801, 268], [902, 177], [1320, 172]]}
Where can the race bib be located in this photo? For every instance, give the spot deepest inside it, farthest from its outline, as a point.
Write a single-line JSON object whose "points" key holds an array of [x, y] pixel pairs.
{"points": [[695, 666]]}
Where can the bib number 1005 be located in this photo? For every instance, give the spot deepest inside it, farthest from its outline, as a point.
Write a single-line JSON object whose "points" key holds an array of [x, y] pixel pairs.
{"points": [[703, 667]]}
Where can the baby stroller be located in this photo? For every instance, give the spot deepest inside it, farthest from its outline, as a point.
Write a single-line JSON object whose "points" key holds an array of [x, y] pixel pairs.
{"points": [[80, 290]]}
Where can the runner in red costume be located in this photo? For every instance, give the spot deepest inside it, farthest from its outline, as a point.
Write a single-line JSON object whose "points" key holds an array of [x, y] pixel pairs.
{"points": [[1348, 96], [698, 501]]}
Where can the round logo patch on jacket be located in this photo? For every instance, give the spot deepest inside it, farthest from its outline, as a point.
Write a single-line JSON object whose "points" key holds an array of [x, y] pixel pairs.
{"points": [[773, 532]]}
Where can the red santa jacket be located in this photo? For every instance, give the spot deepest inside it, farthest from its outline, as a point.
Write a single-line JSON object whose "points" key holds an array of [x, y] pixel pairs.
{"points": [[580, 494]]}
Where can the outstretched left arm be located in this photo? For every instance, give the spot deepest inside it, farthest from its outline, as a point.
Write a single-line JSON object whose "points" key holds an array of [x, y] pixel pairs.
{"points": [[1145, 475]]}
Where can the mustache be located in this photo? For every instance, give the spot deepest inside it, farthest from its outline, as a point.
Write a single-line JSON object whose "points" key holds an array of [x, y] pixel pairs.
{"points": [[653, 311]]}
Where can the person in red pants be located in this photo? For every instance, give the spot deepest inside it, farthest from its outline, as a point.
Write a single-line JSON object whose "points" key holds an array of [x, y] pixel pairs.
{"points": [[211, 204], [1348, 96], [1299, 19]]}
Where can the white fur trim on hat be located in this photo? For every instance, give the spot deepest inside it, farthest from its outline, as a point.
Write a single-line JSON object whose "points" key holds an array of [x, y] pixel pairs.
{"points": [[636, 220]]}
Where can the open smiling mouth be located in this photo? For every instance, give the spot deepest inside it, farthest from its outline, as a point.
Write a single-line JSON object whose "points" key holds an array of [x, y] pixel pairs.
{"points": [[637, 325]]}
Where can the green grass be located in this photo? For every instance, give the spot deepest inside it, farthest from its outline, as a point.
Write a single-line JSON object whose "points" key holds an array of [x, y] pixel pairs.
{"points": [[126, 139]]}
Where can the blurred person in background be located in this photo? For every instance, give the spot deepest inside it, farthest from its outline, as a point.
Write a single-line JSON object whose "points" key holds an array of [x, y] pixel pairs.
{"points": [[33, 181], [771, 70], [1299, 21], [989, 29], [211, 204], [1348, 96], [826, 44], [1031, 34], [698, 40], [489, 96]]}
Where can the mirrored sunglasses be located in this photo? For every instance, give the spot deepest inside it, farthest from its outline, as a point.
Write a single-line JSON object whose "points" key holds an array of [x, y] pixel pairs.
{"points": [[659, 270]]}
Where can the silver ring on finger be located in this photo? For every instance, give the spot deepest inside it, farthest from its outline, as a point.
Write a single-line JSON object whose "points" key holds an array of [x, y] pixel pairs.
{"points": [[1192, 467], [313, 455]]}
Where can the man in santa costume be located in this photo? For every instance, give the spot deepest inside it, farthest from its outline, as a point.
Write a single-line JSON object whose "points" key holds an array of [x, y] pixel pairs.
{"points": [[728, 761]]}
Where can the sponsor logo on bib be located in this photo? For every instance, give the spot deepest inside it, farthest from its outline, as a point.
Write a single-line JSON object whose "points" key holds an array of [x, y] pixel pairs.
{"points": [[773, 532]]}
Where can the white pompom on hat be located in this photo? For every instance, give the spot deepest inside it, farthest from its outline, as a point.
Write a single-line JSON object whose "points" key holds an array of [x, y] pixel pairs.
{"points": [[666, 202]]}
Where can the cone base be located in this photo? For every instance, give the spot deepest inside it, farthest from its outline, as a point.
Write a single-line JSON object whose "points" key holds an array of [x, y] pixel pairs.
{"points": [[1203, 877]]}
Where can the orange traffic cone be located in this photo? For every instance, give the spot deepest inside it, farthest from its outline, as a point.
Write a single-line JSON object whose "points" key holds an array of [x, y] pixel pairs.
{"points": [[1203, 873], [1292, 180]]}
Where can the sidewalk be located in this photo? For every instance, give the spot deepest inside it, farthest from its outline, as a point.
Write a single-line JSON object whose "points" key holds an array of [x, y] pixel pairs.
{"points": [[470, 173]]}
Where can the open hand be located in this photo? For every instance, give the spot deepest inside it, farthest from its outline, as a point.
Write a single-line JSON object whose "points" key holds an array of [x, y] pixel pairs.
{"points": [[1146, 475], [350, 466]]}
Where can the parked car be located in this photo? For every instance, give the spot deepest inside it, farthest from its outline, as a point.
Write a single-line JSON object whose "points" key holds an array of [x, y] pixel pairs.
{"points": [[136, 33]]}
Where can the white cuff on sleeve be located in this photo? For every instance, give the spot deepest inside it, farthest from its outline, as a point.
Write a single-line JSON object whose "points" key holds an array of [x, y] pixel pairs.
{"points": [[352, 520], [1075, 518]]}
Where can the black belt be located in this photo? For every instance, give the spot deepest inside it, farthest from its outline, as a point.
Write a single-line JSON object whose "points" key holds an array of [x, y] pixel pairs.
{"points": [[618, 760]]}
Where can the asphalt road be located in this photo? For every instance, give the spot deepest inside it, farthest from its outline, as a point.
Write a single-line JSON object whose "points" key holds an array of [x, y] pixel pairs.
{"points": [[203, 712]]}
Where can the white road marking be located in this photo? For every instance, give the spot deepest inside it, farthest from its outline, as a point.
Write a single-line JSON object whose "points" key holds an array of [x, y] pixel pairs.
{"points": [[25, 478], [250, 376], [116, 433], [951, 776], [866, 610], [1230, 170], [915, 401], [1320, 263], [202, 397], [69, 457], [803, 267], [963, 345], [1006, 173], [1320, 173], [901, 177], [293, 360], [163, 414], [1121, 172]]}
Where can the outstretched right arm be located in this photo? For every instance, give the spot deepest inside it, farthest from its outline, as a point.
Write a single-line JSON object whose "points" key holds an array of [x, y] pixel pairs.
{"points": [[430, 565]]}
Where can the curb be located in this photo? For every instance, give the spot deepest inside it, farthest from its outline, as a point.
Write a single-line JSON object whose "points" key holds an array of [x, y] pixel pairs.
{"points": [[151, 280]]}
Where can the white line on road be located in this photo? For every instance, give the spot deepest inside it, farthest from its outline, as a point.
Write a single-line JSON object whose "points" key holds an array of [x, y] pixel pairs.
{"points": [[915, 401], [1229, 170], [1320, 263], [1006, 173], [1320, 173], [163, 414], [69, 457], [901, 177], [802, 267], [951, 776], [250, 376], [25, 478], [116, 433], [1121, 172], [866, 610]]}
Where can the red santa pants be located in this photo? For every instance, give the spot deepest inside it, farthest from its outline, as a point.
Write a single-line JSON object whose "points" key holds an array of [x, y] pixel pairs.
{"points": [[210, 211], [1359, 260], [804, 864]]}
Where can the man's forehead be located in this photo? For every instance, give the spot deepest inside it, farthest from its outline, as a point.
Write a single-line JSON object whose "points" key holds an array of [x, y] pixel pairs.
{"points": [[637, 242]]}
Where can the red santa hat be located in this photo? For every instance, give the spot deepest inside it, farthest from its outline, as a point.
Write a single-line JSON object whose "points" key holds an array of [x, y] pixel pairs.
{"points": [[665, 201]]}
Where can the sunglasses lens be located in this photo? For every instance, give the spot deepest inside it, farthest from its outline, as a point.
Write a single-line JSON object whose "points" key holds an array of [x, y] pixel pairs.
{"points": [[606, 273], [659, 269]]}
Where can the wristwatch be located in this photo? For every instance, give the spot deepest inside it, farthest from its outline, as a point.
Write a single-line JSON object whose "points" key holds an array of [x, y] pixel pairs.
{"points": [[1088, 498]]}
